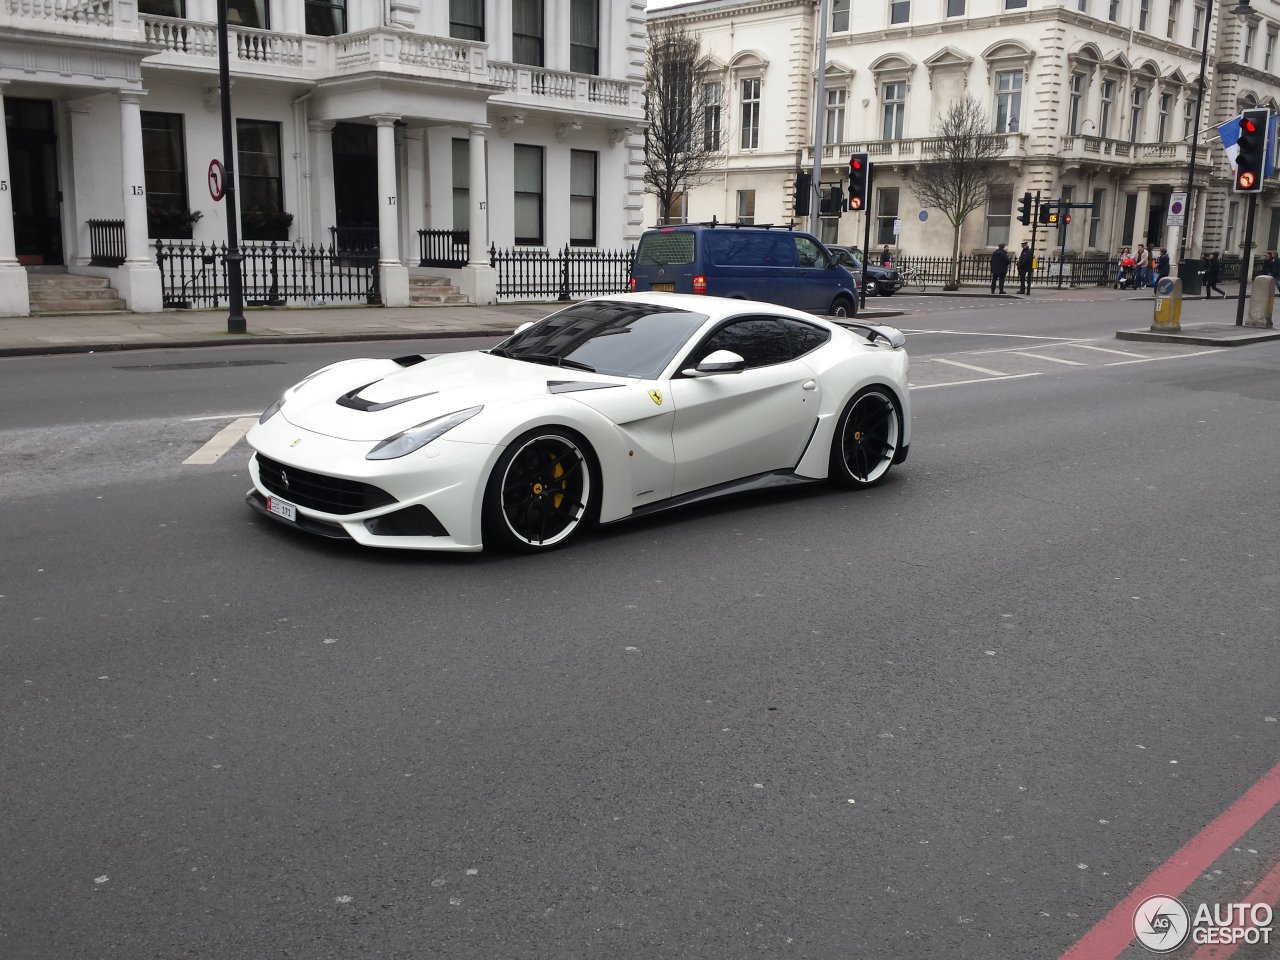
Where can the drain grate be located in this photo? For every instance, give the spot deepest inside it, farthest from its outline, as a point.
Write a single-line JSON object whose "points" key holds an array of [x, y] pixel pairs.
{"points": [[207, 365]]}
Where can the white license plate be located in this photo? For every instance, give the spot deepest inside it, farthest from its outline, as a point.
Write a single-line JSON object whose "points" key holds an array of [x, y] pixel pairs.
{"points": [[664, 287], [282, 508]]}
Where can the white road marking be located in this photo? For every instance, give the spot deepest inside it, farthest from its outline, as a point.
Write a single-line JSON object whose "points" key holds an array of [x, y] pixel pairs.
{"points": [[220, 416], [973, 333], [960, 383], [1123, 353], [968, 366], [222, 441], [1198, 353], [1041, 356]]}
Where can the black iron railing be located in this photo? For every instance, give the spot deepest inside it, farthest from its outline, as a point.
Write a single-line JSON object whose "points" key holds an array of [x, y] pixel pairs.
{"points": [[273, 274], [443, 248], [106, 243], [526, 273], [362, 239]]}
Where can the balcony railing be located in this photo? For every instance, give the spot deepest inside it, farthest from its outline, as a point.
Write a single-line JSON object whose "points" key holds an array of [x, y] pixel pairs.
{"points": [[1082, 147], [915, 149], [96, 12], [201, 39]]}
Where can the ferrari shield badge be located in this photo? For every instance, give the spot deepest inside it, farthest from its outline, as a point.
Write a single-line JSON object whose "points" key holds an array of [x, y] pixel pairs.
{"points": [[656, 396]]}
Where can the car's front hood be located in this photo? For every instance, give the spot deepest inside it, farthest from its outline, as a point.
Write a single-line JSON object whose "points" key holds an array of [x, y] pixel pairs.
{"points": [[369, 400]]}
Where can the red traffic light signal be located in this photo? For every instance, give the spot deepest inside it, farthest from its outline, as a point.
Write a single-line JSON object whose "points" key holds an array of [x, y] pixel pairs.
{"points": [[859, 168], [1251, 150]]}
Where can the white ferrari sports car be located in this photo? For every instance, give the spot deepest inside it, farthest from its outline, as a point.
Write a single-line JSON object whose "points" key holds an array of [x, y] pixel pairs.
{"points": [[609, 409]]}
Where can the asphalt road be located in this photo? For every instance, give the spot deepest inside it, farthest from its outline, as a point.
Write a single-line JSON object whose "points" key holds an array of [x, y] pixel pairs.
{"points": [[961, 715]]}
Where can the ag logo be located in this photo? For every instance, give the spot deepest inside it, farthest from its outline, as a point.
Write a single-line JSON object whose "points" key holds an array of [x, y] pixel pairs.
{"points": [[656, 396], [296, 442], [1161, 924]]}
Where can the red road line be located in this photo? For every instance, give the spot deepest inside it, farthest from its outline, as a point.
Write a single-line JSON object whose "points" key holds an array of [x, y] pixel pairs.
{"points": [[1113, 933], [1266, 890]]}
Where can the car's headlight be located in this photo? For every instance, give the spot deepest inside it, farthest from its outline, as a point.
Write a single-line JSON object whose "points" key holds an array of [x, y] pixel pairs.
{"points": [[271, 411], [407, 441]]}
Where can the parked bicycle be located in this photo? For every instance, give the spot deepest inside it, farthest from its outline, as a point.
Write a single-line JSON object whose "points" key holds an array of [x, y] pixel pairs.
{"points": [[911, 277]]}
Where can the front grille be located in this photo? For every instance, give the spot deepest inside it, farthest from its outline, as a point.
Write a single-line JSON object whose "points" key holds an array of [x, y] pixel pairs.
{"points": [[315, 491]]}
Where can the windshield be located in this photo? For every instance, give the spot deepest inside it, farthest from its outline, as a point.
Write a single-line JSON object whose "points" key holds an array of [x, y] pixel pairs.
{"points": [[606, 336]]}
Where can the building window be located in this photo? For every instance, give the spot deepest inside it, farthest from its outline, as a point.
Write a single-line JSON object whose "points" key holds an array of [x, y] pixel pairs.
{"points": [[466, 19], [712, 94], [1076, 104], [1015, 4], [1233, 217], [1113, 11], [1130, 217], [326, 18], [750, 138], [528, 186], [678, 212], [248, 13], [461, 184], [999, 213], [1273, 232], [886, 214], [899, 11], [164, 167], [894, 97], [260, 186], [582, 198], [527, 32], [1162, 123], [1144, 14], [955, 8], [1095, 218], [1082, 6], [1188, 117], [747, 206], [839, 16], [1175, 7], [1008, 100], [1135, 115], [1197, 24], [584, 36], [1250, 38], [1108, 98], [1269, 53], [163, 8], [835, 116]]}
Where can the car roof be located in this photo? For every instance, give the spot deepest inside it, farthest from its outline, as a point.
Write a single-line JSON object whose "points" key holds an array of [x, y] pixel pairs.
{"points": [[715, 308]]}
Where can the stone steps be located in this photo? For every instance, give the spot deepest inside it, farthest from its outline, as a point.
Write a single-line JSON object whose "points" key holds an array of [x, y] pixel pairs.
{"points": [[70, 293], [433, 291]]}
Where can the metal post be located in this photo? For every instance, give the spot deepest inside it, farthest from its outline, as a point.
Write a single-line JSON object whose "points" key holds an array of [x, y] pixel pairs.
{"points": [[235, 288], [1195, 138], [1062, 237], [866, 236], [1035, 228], [1248, 258], [819, 125]]}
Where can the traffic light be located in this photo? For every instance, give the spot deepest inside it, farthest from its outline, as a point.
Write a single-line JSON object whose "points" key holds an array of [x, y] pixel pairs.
{"points": [[859, 167], [1048, 213], [1252, 147], [1067, 218], [831, 202], [803, 184], [1024, 209]]}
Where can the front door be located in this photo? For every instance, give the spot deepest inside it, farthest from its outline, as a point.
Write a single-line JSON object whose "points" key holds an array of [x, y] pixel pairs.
{"points": [[355, 185], [1155, 219], [33, 167]]}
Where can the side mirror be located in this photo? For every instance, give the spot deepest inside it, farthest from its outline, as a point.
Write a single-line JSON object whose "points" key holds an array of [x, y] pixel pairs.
{"points": [[525, 326], [719, 361]]}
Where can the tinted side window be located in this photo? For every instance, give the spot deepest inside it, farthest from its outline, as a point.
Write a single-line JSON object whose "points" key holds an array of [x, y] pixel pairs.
{"points": [[804, 336], [749, 248], [809, 253], [760, 341]]}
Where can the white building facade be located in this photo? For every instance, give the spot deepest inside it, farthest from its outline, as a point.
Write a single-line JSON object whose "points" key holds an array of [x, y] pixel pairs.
{"points": [[1095, 100], [515, 122]]}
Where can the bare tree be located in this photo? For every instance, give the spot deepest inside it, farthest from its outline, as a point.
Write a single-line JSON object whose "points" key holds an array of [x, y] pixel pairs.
{"points": [[960, 165], [684, 139]]}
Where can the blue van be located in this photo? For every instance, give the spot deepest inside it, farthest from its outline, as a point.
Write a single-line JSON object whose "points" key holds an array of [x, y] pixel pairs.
{"points": [[773, 264]]}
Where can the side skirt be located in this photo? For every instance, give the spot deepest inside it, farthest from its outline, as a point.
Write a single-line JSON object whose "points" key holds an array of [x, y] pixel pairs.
{"points": [[761, 481]]}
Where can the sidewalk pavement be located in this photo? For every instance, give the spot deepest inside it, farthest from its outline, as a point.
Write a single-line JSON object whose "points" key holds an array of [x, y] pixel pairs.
{"points": [[93, 332]]}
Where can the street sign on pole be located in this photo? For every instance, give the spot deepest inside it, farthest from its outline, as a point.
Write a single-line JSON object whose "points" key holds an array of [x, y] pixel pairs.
{"points": [[217, 180], [1177, 210]]}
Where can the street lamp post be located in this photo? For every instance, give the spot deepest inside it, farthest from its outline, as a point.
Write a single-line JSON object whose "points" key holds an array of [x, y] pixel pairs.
{"points": [[1195, 139], [235, 288]]}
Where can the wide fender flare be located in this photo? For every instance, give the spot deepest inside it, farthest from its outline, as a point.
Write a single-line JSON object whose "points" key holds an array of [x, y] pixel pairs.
{"points": [[842, 381]]}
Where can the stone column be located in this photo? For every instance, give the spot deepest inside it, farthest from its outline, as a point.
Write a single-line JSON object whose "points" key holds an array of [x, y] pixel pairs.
{"points": [[415, 171], [14, 298], [479, 280], [138, 278], [393, 278], [324, 211]]}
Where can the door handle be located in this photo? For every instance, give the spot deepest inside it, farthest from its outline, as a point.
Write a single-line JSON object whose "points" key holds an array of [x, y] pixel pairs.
{"points": [[809, 385]]}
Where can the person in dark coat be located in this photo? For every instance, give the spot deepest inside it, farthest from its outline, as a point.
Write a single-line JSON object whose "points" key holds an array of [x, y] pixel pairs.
{"points": [[999, 267], [1162, 264], [886, 258], [1212, 274], [1024, 268]]}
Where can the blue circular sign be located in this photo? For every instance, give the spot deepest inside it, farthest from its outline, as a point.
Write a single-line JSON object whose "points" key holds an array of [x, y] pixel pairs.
{"points": [[924, 215]]}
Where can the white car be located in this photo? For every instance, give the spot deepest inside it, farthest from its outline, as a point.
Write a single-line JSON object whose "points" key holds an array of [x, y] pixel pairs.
{"points": [[609, 409]]}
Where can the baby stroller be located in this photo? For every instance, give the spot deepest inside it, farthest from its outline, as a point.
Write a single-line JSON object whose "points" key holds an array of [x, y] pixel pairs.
{"points": [[1127, 278]]}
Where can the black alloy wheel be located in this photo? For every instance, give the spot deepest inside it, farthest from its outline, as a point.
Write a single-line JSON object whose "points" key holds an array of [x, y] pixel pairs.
{"points": [[867, 438], [540, 492]]}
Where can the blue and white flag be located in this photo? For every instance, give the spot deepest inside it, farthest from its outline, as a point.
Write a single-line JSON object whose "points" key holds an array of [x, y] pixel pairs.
{"points": [[1269, 165], [1229, 133]]}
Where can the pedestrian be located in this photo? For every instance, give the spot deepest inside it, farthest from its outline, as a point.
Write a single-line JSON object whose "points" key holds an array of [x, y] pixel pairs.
{"points": [[1024, 268], [886, 259], [1141, 260], [999, 267], [1271, 268], [1212, 274], [1162, 264]]}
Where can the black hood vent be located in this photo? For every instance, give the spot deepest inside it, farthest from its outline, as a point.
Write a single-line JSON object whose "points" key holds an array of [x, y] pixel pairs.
{"points": [[353, 401]]}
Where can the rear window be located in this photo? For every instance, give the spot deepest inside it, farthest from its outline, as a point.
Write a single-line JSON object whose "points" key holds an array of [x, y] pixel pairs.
{"points": [[665, 249]]}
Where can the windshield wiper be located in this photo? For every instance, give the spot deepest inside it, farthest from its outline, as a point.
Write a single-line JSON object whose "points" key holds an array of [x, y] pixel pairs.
{"points": [[555, 361]]}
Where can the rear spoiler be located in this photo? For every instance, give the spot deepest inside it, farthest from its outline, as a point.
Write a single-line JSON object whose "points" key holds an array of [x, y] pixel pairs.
{"points": [[876, 331]]}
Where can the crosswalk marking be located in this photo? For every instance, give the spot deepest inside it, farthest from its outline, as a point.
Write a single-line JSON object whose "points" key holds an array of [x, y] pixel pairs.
{"points": [[960, 383], [222, 441], [969, 366], [1089, 346], [1041, 356]]}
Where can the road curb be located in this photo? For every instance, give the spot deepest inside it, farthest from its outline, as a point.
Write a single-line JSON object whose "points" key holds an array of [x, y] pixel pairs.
{"points": [[1214, 337]]}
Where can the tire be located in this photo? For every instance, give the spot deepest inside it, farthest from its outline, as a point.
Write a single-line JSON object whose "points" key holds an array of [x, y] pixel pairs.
{"points": [[868, 437], [842, 306], [542, 491]]}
